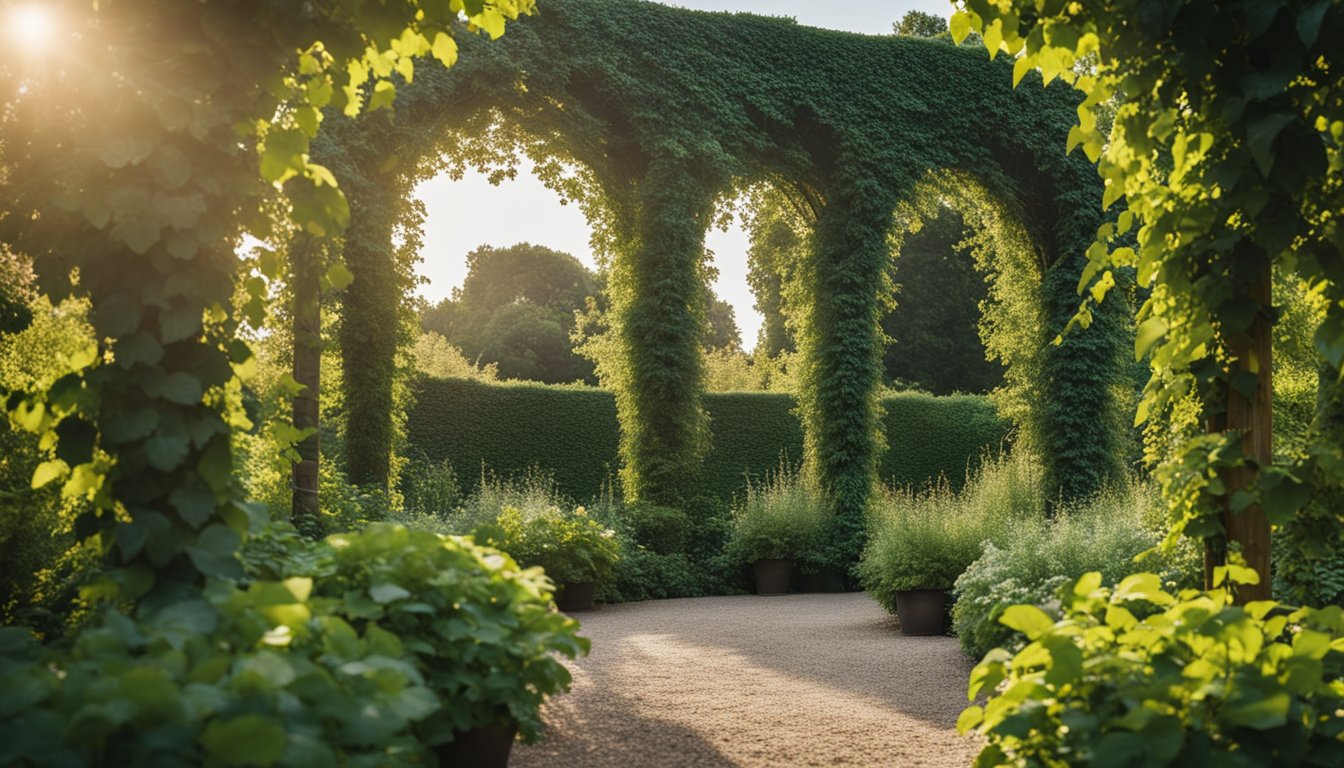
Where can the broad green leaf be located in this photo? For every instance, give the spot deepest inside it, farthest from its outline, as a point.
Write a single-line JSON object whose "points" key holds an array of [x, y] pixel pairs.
{"points": [[1027, 619], [247, 740], [47, 472]]}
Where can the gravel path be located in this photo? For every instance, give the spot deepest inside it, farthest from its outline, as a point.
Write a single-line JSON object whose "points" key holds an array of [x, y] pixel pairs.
{"points": [[816, 680]]}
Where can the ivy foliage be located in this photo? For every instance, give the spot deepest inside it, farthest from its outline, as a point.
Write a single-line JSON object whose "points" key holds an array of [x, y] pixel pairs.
{"points": [[129, 180], [1226, 152], [664, 111]]}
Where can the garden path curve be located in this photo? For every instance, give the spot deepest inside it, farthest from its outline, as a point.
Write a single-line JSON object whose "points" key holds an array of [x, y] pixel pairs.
{"points": [[798, 680]]}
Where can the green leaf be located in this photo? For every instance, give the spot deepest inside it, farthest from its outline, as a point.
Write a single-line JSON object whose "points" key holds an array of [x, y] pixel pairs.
{"points": [[248, 740], [386, 593], [1260, 135], [76, 438], [167, 451], [1261, 712], [182, 388], [445, 49], [194, 503], [48, 471], [179, 322], [384, 93], [213, 552], [960, 26], [1142, 586], [969, 718], [1148, 333], [1027, 619], [339, 277]]}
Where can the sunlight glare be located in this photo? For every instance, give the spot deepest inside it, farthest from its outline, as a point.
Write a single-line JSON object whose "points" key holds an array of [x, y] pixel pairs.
{"points": [[31, 26]]}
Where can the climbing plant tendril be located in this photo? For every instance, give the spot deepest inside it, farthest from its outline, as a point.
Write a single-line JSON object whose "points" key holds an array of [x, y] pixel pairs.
{"points": [[1226, 152], [666, 111], [131, 170]]}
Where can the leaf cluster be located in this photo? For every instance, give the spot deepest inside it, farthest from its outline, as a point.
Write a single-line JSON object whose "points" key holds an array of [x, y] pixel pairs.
{"points": [[1137, 675]]}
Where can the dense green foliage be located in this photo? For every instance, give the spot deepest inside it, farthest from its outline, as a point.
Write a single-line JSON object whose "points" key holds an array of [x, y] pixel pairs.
{"points": [[572, 547], [1225, 147], [572, 433], [782, 517], [925, 539], [481, 632], [933, 334], [653, 153], [1034, 557], [384, 658], [515, 310], [143, 182], [1136, 675]]}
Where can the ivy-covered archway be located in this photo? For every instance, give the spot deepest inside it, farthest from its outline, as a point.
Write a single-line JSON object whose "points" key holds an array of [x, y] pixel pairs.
{"points": [[667, 110]]}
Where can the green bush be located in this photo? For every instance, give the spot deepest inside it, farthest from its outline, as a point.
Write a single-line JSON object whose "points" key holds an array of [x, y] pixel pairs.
{"points": [[662, 530], [571, 546], [1137, 676], [481, 631], [926, 539], [430, 488], [409, 638], [571, 432], [781, 518], [1035, 557], [261, 676]]}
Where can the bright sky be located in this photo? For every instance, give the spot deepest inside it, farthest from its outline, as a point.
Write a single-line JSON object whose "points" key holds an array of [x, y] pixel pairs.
{"points": [[523, 210]]}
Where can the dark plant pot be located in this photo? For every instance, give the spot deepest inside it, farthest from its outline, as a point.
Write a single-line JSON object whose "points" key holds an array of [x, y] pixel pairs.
{"points": [[570, 597], [921, 611], [772, 576], [825, 581], [485, 747]]}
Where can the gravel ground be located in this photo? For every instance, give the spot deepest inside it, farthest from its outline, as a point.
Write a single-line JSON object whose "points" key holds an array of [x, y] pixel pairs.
{"points": [[816, 680]]}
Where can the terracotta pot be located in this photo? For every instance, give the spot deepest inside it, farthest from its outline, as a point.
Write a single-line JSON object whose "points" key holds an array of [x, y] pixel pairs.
{"points": [[772, 576], [575, 596], [922, 611], [485, 747]]}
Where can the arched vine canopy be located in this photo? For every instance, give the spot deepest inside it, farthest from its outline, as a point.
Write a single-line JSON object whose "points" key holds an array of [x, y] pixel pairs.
{"points": [[666, 111]]}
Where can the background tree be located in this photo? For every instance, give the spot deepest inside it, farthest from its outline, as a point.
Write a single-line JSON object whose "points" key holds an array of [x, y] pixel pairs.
{"points": [[920, 24], [516, 310], [934, 330], [721, 331]]}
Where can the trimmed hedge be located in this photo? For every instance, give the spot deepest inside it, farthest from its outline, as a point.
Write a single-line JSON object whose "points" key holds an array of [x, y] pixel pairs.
{"points": [[572, 432]]}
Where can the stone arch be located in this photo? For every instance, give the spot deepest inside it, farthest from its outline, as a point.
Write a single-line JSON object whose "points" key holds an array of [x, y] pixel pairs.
{"points": [[668, 110]]}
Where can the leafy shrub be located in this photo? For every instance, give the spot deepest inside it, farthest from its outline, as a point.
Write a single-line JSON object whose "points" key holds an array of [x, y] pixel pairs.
{"points": [[926, 539], [430, 488], [481, 632], [410, 638], [1137, 676], [781, 518], [661, 529], [571, 546], [261, 676], [1034, 557], [531, 492]]}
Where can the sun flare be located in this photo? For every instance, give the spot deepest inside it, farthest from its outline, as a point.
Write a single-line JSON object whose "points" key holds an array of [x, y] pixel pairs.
{"points": [[30, 25]]}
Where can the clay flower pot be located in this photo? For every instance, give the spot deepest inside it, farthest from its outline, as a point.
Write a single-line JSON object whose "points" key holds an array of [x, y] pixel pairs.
{"points": [[922, 611], [772, 576]]}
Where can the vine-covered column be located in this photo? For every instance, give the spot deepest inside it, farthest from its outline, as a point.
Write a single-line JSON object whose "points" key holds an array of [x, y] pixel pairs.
{"points": [[305, 257], [841, 344], [1080, 425], [659, 299]]}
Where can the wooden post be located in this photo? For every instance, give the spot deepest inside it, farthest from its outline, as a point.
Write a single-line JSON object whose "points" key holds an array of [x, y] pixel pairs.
{"points": [[305, 270], [1253, 417]]}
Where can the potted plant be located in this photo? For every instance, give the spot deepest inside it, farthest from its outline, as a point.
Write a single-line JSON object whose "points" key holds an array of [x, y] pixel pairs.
{"points": [[778, 522], [917, 547], [479, 630], [575, 550]]}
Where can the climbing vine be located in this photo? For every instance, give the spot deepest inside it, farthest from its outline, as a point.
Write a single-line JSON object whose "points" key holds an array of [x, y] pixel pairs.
{"points": [[129, 179], [665, 111], [1226, 152]]}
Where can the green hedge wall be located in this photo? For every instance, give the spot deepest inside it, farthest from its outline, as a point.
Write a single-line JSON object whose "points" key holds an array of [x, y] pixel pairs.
{"points": [[572, 432]]}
